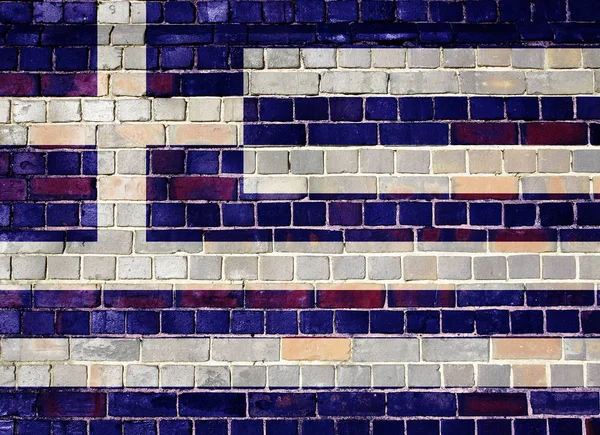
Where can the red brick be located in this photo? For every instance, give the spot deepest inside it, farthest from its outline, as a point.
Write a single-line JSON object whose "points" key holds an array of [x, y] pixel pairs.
{"points": [[63, 188], [554, 133], [484, 133], [208, 188], [13, 189]]}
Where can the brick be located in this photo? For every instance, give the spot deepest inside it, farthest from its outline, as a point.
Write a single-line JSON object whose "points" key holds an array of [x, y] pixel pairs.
{"points": [[566, 375], [528, 58], [105, 349], [348, 267], [137, 375], [591, 58], [254, 58], [419, 268], [445, 162], [388, 57], [489, 375], [384, 268], [62, 135], [414, 162], [29, 267], [233, 109], [98, 110], [586, 161], [283, 57], [202, 134], [242, 349], [129, 34], [390, 376], [489, 268], [169, 109], [454, 267], [564, 58], [317, 376], [424, 375], [248, 376], [63, 267], [423, 58], [133, 110], [312, 267], [106, 375], [276, 268], [175, 350], [354, 82], [459, 375], [530, 375], [284, 83], [29, 111], [7, 376], [272, 162], [33, 376], [319, 57], [306, 162], [385, 350], [99, 268], [135, 267], [459, 58], [113, 12], [13, 135], [64, 111], [341, 161], [129, 84], [130, 135], [204, 109], [519, 161], [558, 267], [377, 161], [317, 349], [523, 266], [5, 111], [554, 161], [423, 82], [213, 376], [560, 83], [38, 349], [170, 267], [205, 267], [523, 348], [134, 58], [353, 376], [236, 268], [354, 58], [593, 375], [493, 57], [492, 82], [177, 376], [455, 349]]}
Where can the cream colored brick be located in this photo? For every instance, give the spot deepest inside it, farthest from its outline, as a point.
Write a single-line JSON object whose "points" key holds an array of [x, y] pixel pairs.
{"points": [[128, 84], [445, 162], [485, 161], [554, 161], [563, 57], [204, 109], [492, 82], [420, 268], [519, 161], [493, 56], [388, 57]]}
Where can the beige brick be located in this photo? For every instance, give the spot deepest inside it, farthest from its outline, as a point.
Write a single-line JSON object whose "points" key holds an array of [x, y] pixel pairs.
{"points": [[420, 267], [485, 161], [284, 83], [527, 348], [130, 135], [202, 134], [315, 349], [122, 188], [354, 82], [563, 57], [560, 82], [35, 349], [554, 161], [484, 187], [64, 135], [529, 375], [423, 82], [128, 84], [492, 82], [519, 161], [205, 109], [423, 57], [388, 57], [493, 56], [445, 162], [69, 375], [556, 184]]}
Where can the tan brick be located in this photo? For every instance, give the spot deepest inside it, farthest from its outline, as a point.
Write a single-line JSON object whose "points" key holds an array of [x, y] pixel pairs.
{"points": [[485, 161], [420, 267], [128, 84], [493, 57], [315, 349], [106, 375], [484, 187], [130, 135], [556, 185], [444, 162], [529, 375], [563, 57], [519, 161], [554, 161], [523, 247], [35, 349], [492, 82], [204, 134], [527, 348], [64, 135], [124, 188]]}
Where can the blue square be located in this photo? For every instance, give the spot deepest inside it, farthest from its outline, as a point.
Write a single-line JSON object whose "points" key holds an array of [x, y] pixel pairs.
{"points": [[380, 213], [143, 322], [282, 322], [415, 213], [203, 215], [238, 215], [351, 322], [316, 322], [458, 321], [177, 322], [309, 214], [490, 322], [381, 108], [212, 321], [276, 109], [108, 322], [58, 215], [247, 322], [387, 322], [38, 322], [416, 108], [73, 322], [425, 322]]}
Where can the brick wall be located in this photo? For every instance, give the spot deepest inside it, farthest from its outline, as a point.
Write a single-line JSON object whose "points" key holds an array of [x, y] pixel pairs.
{"points": [[272, 217]]}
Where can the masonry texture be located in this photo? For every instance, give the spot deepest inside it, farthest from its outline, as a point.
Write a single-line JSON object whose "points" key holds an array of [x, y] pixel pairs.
{"points": [[314, 217]]}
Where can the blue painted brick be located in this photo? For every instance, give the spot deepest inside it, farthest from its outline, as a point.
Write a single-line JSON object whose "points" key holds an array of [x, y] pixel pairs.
{"points": [[514, 10], [108, 322], [588, 108], [276, 427], [4, 215], [487, 107], [18, 403], [530, 427], [443, 12], [557, 108], [387, 322], [518, 215], [247, 322], [458, 321], [69, 428], [494, 427], [498, 298], [343, 134], [416, 108], [80, 12], [73, 322], [47, 12], [381, 108], [203, 215], [317, 427], [274, 214], [282, 404], [9, 322], [416, 213], [562, 321], [411, 11], [127, 404], [556, 213], [62, 215], [356, 404], [310, 11], [221, 84], [212, 405], [481, 11], [560, 298], [559, 426], [275, 134], [527, 322], [388, 427], [154, 12], [38, 322], [276, 109], [312, 109], [351, 322], [408, 133], [203, 162], [490, 322], [413, 404], [380, 213], [422, 427], [485, 213], [168, 214], [177, 57], [450, 213], [316, 322], [549, 10], [213, 427], [353, 427], [588, 213], [425, 322], [251, 109], [377, 10], [564, 403], [28, 163], [213, 11], [522, 108], [590, 322], [105, 427], [282, 322], [238, 215], [451, 107], [246, 427], [177, 322], [345, 213], [33, 427], [233, 162], [342, 11], [346, 109], [28, 215], [143, 322], [213, 57], [212, 321], [245, 12], [139, 428], [179, 12], [36, 59], [8, 58], [71, 59], [309, 214], [278, 12], [458, 427]]}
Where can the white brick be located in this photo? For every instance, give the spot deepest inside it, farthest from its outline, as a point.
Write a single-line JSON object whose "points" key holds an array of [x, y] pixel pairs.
{"points": [[64, 111], [205, 109], [29, 111], [99, 110]]}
